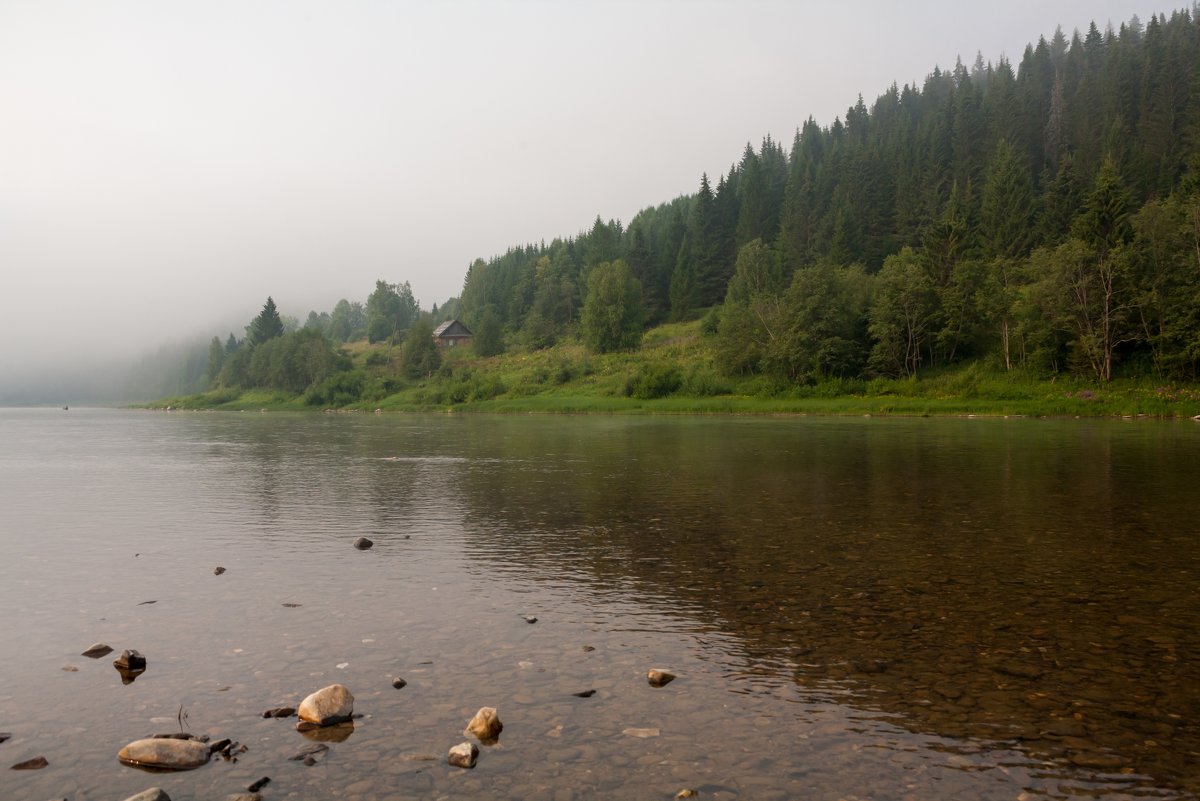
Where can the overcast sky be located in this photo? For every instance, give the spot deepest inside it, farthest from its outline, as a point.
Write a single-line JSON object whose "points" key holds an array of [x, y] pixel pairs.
{"points": [[164, 166]]}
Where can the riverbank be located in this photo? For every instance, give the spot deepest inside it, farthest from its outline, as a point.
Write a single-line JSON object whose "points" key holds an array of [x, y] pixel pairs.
{"points": [[675, 371]]}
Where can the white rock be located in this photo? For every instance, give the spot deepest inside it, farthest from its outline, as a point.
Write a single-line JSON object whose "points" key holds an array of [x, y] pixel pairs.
{"points": [[327, 706], [463, 755]]}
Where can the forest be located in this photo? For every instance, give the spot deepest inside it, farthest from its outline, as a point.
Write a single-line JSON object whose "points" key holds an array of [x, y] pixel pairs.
{"points": [[1041, 218]]}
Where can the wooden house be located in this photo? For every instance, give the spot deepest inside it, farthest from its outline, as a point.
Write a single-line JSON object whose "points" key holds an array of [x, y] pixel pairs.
{"points": [[452, 334]]}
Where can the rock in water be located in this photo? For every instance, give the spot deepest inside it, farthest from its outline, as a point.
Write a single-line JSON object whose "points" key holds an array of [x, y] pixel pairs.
{"points": [[37, 763], [485, 725], [327, 706], [130, 660], [153, 794], [584, 694], [399, 683], [659, 678], [362, 543], [218, 571], [162, 754], [98, 650], [463, 755]]}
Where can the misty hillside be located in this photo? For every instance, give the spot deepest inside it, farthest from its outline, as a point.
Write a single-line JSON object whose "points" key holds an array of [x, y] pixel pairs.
{"points": [[1039, 214]]}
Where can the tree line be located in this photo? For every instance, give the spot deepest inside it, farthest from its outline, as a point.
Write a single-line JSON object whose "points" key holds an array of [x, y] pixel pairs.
{"points": [[277, 353], [1043, 217]]}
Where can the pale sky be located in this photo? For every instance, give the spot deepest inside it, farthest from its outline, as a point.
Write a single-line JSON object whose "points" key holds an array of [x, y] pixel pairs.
{"points": [[164, 166]]}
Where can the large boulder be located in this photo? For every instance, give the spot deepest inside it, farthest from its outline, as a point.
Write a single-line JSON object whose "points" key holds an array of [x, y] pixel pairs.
{"points": [[327, 706], [485, 725], [165, 754]]}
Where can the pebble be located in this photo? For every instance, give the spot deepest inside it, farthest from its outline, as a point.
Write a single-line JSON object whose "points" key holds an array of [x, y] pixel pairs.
{"points": [[280, 712], [37, 763], [642, 733], [218, 571], [97, 650], [362, 543], [399, 683]]}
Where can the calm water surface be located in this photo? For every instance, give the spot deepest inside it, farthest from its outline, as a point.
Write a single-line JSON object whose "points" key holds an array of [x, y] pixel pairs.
{"points": [[856, 609]]}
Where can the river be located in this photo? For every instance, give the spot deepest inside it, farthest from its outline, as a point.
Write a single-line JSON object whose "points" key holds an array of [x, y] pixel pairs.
{"points": [[854, 609]]}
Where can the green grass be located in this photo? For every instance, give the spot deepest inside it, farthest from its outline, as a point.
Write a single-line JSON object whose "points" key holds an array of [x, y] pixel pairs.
{"points": [[675, 372]]}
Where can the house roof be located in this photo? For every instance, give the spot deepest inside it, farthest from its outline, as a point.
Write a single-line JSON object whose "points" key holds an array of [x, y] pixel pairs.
{"points": [[452, 328]]}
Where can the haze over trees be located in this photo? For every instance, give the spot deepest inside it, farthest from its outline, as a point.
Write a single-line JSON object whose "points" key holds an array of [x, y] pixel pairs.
{"points": [[1042, 217]]}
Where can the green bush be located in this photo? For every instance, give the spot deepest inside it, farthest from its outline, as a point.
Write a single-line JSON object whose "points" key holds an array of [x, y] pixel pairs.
{"points": [[654, 381]]}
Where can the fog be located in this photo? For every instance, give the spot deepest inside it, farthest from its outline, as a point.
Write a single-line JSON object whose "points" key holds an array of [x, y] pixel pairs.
{"points": [[166, 166]]}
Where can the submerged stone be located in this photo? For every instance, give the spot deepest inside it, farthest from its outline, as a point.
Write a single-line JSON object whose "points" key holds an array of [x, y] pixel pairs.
{"points": [[37, 763], [163, 754], [659, 678], [97, 650]]}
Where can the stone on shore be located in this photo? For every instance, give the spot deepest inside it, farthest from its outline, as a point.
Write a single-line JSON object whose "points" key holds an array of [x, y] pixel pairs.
{"points": [[485, 725], [163, 754], [153, 794], [463, 755], [327, 706], [362, 543], [97, 650], [659, 678]]}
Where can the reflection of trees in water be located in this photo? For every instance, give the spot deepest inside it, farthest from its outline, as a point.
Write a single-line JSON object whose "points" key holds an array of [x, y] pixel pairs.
{"points": [[1022, 582]]}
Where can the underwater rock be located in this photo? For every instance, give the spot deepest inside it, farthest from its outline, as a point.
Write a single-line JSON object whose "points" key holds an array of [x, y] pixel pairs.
{"points": [[659, 678]]}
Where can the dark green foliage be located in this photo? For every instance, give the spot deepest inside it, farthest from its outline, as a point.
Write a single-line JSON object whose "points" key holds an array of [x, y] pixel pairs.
{"points": [[216, 357], [654, 381], [292, 363], [391, 308], [612, 312], [489, 334], [266, 326], [420, 357]]}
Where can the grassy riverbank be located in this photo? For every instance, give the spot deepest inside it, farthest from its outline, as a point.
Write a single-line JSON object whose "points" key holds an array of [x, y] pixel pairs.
{"points": [[675, 372]]}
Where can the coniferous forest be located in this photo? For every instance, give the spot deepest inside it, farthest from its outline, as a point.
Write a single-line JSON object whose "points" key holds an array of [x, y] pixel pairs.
{"points": [[1038, 219], [1043, 215]]}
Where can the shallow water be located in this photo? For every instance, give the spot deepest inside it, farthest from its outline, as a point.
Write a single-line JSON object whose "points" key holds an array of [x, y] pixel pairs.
{"points": [[856, 609]]}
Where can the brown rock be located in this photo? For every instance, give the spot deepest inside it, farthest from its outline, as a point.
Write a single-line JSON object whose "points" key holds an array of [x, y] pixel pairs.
{"points": [[485, 725], [659, 678], [327, 706], [165, 754], [97, 650], [37, 763]]}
